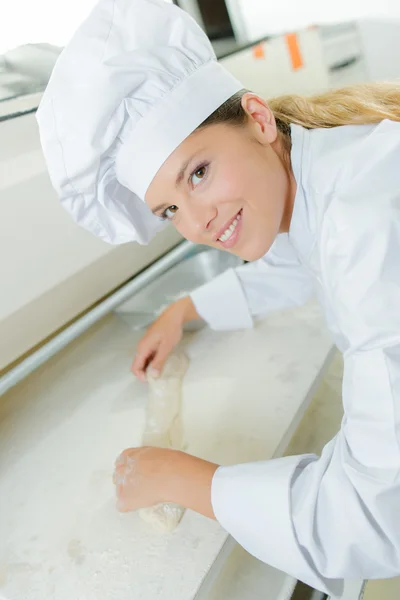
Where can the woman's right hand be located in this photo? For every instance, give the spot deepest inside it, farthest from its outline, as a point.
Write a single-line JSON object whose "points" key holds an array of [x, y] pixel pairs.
{"points": [[162, 337]]}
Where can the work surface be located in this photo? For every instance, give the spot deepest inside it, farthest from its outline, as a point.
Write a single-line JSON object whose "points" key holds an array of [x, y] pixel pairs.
{"points": [[62, 428]]}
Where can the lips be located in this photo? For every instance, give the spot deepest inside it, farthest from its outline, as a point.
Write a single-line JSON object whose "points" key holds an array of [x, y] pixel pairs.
{"points": [[224, 231], [231, 235]]}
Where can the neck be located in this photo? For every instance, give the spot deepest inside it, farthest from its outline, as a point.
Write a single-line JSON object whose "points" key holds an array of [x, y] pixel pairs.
{"points": [[284, 143], [289, 203]]}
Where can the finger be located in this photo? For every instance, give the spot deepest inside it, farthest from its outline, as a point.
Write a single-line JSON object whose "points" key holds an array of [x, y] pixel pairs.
{"points": [[140, 364], [122, 502], [157, 364], [122, 458], [137, 365], [122, 507], [120, 499], [119, 475]]}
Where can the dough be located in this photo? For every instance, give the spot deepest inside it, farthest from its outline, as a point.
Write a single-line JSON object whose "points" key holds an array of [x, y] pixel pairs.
{"points": [[163, 424], [164, 430], [163, 517]]}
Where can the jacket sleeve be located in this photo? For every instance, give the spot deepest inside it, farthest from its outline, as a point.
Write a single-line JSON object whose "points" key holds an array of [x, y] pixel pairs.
{"points": [[233, 299], [337, 516]]}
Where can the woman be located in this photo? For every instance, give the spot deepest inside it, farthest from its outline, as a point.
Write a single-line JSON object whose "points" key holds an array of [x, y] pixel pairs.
{"points": [[138, 109]]}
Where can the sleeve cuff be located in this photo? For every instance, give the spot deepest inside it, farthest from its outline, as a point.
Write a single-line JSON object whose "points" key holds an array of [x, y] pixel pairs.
{"points": [[222, 303], [253, 503]]}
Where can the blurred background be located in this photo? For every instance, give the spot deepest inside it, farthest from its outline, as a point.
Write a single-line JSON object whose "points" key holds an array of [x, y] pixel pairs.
{"points": [[29, 46]]}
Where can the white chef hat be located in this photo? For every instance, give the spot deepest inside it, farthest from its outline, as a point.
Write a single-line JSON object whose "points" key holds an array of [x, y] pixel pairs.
{"points": [[135, 80]]}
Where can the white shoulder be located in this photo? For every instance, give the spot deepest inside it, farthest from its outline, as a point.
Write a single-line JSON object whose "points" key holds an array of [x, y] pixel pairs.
{"points": [[360, 241], [353, 157]]}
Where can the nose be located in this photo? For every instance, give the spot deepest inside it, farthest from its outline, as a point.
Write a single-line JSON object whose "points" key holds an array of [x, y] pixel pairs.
{"points": [[199, 217]]}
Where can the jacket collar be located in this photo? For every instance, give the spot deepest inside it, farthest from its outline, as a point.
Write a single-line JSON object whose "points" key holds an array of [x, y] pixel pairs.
{"points": [[303, 225]]}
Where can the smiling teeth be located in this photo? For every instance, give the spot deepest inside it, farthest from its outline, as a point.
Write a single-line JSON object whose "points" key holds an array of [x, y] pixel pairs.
{"points": [[228, 232]]}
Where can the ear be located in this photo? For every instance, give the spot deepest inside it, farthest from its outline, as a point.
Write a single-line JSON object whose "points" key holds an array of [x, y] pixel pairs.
{"points": [[261, 118]]}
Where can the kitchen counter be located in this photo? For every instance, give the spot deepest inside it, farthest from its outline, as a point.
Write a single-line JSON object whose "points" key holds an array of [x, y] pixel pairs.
{"points": [[62, 428]]}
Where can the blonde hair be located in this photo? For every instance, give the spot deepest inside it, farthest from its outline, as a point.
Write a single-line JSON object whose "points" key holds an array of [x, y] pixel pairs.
{"points": [[354, 105]]}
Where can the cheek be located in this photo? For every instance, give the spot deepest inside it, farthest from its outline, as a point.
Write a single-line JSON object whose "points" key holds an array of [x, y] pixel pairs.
{"points": [[266, 189], [230, 185], [247, 180], [193, 234]]}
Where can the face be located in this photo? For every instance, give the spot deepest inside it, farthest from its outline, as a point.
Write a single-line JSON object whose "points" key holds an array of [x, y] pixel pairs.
{"points": [[228, 187]]}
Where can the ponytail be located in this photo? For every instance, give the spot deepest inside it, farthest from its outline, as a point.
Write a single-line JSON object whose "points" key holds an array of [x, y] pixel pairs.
{"points": [[354, 105]]}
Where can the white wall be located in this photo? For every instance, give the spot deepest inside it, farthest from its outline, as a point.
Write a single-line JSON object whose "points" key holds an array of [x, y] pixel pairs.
{"points": [[258, 18], [54, 21], [192, 7], [380, 41], [273, 74], [51, 21]]}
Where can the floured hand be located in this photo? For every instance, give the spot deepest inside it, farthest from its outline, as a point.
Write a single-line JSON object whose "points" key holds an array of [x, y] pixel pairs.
{"points": [[141, 477], [148, 476]]}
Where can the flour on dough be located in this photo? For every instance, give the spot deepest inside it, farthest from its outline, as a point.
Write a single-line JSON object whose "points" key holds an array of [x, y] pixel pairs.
{"points": [[164, 430], [163, 517]]}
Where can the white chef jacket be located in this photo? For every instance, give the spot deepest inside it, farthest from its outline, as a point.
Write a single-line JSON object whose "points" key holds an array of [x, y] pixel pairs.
{"points": [[337, 516]]}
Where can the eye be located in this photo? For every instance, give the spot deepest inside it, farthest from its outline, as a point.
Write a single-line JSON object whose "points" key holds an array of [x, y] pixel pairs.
{"points": [[170, 212], [198, 175]]}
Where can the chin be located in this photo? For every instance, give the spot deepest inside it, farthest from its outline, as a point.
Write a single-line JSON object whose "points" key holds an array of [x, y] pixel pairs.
{"points": [[254, 252]]}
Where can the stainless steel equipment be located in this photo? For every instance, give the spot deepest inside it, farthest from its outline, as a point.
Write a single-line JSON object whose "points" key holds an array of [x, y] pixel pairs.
{"points": [[193, 271], [181, 270]]}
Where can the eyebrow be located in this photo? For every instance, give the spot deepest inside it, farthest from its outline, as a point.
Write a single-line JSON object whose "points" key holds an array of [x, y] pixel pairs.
{"points": [[178, 180]]}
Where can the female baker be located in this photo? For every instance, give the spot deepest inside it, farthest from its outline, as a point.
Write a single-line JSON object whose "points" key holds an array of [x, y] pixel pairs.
{"points": [[141, 125]]}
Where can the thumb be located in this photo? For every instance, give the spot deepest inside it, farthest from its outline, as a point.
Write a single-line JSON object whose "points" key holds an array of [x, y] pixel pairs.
{"points": [[158, 362]]}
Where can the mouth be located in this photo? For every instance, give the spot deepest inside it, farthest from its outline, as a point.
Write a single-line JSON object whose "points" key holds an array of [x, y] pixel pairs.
{"points": [[229, 235]]}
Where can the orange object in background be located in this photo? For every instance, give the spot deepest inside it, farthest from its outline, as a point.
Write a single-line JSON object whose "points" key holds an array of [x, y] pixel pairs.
{"points": [[296, 58], [258, 51]]}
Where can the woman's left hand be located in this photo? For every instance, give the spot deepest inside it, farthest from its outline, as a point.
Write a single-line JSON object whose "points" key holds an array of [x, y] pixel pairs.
{"points": [[147, 476], [141, 477]]}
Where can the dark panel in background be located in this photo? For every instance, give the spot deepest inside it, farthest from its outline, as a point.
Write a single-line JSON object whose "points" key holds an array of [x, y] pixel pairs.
{"points": [[216, 18]]}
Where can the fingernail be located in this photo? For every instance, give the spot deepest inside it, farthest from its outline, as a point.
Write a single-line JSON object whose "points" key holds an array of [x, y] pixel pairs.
{"points": [[154, 373], [120, 460]]}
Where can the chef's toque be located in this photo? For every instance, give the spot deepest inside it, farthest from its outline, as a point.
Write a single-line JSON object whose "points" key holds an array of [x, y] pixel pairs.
{"points": [[136, 79]]}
